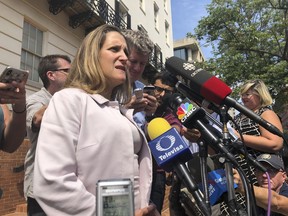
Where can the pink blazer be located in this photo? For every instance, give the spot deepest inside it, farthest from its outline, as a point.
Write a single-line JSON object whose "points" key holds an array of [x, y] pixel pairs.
{"points": [[84, 138]]}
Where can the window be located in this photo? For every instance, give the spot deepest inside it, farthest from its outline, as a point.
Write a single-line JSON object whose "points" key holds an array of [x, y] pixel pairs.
{"points": [[167, 32], [156, 16], [142, 4], [31, 52], [157, 57], [122, 12], [165, 5], [181, 53]]}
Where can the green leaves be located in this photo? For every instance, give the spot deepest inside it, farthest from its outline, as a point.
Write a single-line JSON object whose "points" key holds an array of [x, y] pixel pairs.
{"points": [[249, 39]]}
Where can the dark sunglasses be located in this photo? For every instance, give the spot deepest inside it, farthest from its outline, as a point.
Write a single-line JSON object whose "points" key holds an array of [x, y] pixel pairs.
{"points": [[160, 90]]}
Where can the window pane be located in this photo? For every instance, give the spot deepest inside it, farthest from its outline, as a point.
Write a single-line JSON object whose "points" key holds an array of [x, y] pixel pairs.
{"points": [[39, 42], [25, 36], [36, 60], [32, 39], [31, 53]]}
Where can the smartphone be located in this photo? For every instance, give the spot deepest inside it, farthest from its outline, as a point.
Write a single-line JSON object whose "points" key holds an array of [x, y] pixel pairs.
{"points": [[12, 74], [149, 90], [138, 92], [115, 197]]}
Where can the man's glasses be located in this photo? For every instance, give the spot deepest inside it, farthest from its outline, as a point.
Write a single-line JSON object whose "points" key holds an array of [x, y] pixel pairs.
{"points": [[66, 70], [160, 90]]}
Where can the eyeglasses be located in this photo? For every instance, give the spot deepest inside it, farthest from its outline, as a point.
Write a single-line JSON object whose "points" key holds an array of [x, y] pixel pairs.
{"points": [[246, 95], [66, 70], [271, 171], [160, 90]]}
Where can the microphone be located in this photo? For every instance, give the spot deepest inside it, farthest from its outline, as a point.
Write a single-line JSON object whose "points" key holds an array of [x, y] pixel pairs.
{"points": [[171, 152], [199, 100], [193, 117], [167, 145], [213, 89]]}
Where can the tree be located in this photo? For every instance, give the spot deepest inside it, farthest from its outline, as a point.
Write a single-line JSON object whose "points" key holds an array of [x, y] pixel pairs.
{"points": [[250, 41]]}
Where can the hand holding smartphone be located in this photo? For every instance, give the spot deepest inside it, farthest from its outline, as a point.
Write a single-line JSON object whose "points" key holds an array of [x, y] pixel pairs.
{"points": [[149, 90], [11, 74], [138, 93]]}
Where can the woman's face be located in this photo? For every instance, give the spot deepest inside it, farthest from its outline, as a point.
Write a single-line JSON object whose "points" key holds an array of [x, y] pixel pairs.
{"points": [[113, 58], [251, 100]]}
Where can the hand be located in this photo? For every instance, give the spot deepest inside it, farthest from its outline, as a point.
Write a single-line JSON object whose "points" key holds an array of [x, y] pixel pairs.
{"points": [[37, 118], [14, 93], [237, 180], [152, 104], [191, 134], [137, 104], [147, 211]]}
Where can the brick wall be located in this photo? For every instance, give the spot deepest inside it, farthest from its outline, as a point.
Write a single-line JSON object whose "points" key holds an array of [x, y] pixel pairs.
{"points": [[11, 178]]}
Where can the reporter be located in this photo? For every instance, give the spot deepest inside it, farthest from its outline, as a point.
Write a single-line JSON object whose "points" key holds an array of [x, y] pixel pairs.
{"points": [[255, 96], [141, 48], [279, 187], [13, 126]]}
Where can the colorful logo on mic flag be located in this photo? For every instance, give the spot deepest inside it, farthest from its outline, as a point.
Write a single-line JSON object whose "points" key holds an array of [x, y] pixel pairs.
{"points": [[185, 110], [169, 147]]}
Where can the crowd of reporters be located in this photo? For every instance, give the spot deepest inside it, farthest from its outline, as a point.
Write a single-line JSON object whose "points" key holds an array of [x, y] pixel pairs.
{"points": [[111, 90]]}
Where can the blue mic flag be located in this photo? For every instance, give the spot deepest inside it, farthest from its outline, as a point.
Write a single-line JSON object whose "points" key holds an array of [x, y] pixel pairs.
{"points": [[168, 148], [217, 185]]}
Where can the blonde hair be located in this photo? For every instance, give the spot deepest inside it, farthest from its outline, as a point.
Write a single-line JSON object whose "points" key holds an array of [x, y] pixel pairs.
{"points": [[259, 87], [86, 72]]}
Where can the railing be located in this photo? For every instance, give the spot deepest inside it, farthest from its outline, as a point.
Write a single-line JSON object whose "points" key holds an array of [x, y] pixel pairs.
{"points": [[86, 10]]}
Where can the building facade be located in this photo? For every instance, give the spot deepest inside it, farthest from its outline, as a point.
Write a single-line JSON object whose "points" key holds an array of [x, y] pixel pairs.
{"points": [[188, 49], [31, 29]]}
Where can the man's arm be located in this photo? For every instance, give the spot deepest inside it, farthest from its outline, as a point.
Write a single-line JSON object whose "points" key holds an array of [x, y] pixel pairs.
{"points": [[14, 125], [14, 130], [279, 203], [37, 118]]}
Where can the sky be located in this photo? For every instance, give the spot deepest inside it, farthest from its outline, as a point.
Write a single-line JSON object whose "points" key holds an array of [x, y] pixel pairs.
{"points": [[185, 17]]}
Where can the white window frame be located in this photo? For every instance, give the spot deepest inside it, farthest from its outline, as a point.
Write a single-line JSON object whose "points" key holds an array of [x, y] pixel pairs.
{"points": [[31, 52]]}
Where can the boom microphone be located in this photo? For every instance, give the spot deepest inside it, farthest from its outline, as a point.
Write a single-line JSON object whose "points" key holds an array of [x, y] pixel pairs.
{"points": [[171, 152], [213, 89]]}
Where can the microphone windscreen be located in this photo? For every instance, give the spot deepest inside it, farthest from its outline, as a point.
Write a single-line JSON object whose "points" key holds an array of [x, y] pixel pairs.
{"points": [[157, 127], [200, 81], [215, 90]]}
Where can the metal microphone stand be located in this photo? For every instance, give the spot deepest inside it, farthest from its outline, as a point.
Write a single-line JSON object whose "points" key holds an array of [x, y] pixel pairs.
{"points": [[228, 166], [203, 154]]}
